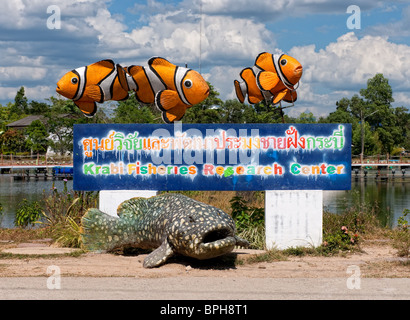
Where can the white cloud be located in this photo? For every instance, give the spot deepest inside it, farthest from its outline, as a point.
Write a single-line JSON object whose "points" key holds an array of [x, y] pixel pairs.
{"points": [[233, 33], [37, 93], [350, 61], [401, 99], [89, 32], [222, 39], [22, 73], [222, 77], [111, 32], [343, 68]]}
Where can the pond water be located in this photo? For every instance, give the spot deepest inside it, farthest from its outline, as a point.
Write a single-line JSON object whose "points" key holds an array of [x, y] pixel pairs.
{"points": [[391, 197], [13, 192]]}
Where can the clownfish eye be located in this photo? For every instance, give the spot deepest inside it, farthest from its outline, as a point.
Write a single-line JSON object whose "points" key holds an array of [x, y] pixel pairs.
{"points": [[74, 80], [188, 83], [283, 62]]}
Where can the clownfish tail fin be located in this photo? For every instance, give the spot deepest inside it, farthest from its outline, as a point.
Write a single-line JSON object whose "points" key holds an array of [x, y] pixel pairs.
{"points": [[240, 90]]}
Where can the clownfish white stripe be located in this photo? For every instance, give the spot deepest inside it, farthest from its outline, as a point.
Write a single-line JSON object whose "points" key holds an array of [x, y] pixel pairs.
{"points": [[154, 80], [244, 87], [82, 79], [107, 85], [267, 95], [132, 85], [276, 60], [179, 78], [256, 70]]}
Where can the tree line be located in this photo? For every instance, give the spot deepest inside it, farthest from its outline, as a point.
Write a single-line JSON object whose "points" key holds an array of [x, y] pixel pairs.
{"points": [[383, 128]]}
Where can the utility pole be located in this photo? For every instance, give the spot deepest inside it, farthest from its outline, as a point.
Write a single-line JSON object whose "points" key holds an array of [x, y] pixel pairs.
{"points": [[200, 34]]}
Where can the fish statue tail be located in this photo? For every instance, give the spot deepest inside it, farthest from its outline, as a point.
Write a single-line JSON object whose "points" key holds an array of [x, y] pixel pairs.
{"points": [[103, 232]]}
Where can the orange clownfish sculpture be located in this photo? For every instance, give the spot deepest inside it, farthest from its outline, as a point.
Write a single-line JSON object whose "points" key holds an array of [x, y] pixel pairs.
{"points": [[173, 89], [272, 78], [98, 82]]}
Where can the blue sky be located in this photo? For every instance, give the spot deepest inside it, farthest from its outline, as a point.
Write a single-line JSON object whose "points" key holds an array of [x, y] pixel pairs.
{"points": [[220, 42]]}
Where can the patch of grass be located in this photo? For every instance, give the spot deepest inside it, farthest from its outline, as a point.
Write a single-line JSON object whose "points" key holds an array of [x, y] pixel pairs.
{"points": [[19, 235], [300, 251], [343, 233], [63, 213], [7, 255], [268, 256], [255, 236], [401, 235], [249, 221]]}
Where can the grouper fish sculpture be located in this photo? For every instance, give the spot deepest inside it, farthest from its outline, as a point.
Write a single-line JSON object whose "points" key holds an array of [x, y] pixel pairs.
{"points": [[171, 224]]}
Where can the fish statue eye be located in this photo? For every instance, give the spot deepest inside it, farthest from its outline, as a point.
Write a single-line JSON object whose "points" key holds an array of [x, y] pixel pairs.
{"points": [[188, 83], [74, 80], [283, 62]]}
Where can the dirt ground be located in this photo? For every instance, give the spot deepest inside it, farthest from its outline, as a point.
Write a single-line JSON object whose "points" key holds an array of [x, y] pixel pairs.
{"points": [[377, 260]]}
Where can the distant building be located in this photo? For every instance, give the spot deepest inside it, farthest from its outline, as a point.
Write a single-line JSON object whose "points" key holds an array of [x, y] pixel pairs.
{"points": [[25, 122]]}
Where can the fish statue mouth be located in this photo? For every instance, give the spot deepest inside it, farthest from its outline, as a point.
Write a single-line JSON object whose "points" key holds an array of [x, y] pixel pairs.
{"points": [[217, 237], [218, 247], [215, 243]]}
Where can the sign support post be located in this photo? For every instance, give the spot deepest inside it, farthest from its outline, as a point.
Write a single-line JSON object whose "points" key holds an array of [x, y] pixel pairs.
{"points": [[293, 218]]}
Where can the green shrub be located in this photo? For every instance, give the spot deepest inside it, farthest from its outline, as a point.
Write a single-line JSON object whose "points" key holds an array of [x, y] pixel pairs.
{"points": [[1, 212], [401, 235], [27, 213], [63, 213], [343, 240], [249, 221]]}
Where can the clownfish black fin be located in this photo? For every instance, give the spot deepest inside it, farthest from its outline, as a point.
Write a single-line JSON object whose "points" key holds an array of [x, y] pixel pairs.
{"points": [[107, 63], [291, 96], [174, 114], [88, 108], [167, 99], [158, 61], [264, 61], [280, 96]]}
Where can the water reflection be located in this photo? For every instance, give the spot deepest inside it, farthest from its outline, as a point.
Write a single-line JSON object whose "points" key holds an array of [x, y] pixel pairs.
{"points": [[391, 197], [13, 192]]}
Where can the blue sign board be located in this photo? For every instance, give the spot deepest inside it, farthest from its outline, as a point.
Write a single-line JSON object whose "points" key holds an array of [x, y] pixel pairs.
{"points": [[212, 156]]}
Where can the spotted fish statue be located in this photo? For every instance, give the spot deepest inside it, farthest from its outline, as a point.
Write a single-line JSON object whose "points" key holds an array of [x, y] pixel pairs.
{"points": [[172, 88], [273, 78], [98, 82], [171, 224]]}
